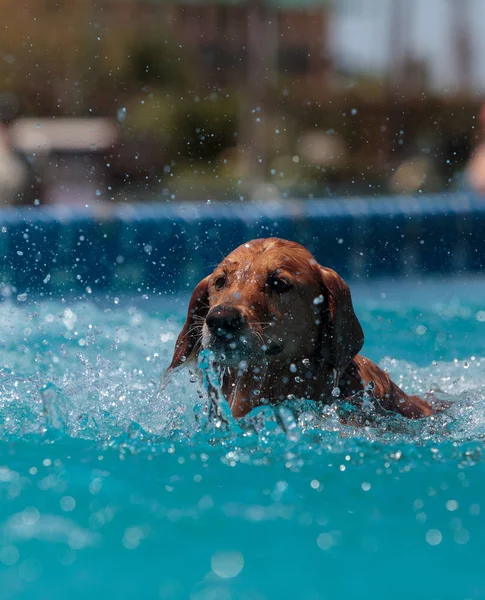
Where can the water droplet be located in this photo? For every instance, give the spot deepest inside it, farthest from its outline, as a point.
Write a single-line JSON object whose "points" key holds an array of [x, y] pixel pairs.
{"points": [[434, 537], [68, 503], [461, 536], [227, 564], [325, 541], [452, 505], [9, 555]]}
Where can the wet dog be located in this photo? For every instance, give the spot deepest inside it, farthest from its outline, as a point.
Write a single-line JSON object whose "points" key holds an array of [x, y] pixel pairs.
{"points": [[280, 325]]}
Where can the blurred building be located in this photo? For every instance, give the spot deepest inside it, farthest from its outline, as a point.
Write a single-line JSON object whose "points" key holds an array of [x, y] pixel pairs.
{"points": [[294, 34], [313, 95], [444, 39]]}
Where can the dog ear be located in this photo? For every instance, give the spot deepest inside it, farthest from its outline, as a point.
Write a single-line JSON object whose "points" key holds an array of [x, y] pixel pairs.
{"points": [[188, 341], [341, 334]]}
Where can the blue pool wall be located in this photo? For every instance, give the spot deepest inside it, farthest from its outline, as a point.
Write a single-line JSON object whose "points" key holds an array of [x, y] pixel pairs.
{"points": [[167, 248]]}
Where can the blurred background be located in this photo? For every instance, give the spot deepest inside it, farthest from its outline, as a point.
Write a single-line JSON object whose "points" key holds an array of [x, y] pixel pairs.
{"points": [[163, 100]]}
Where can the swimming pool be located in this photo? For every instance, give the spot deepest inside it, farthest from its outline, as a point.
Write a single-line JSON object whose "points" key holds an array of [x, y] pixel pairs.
{"points": [[111, 488]]}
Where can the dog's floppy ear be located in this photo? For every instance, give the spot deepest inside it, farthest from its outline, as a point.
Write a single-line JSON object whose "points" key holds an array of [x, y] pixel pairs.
{"points": [[341, 334], [188, 341]]}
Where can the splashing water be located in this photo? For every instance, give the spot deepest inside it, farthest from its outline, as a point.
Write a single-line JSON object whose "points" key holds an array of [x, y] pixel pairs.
{"points": [[163, 494], [91, 372]]}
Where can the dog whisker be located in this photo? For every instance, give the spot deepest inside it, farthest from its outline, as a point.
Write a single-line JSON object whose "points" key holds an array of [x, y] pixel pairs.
{"points": [[199, 319], [189, 332]]}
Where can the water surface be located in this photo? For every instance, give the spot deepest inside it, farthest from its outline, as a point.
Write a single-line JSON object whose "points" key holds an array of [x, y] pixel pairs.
{"points": [[110, 488]]}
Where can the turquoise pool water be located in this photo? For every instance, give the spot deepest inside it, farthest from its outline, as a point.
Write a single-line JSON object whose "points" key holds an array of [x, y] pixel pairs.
{"points": [[109, 488]]}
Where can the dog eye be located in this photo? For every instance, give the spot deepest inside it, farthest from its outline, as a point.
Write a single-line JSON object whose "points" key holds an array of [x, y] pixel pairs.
{"points": [[279, 285], [220, 282]]}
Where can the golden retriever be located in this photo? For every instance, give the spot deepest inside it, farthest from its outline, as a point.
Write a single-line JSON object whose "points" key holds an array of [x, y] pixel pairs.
{"points": [[280, 325]]}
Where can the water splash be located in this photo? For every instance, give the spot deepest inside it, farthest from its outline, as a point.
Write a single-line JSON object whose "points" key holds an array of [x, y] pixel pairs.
{"points": [[218, 412], [54, 409], [106, 389]]}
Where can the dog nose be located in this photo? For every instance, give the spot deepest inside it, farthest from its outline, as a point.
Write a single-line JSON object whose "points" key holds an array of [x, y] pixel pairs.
{"points": [[224, 320]]}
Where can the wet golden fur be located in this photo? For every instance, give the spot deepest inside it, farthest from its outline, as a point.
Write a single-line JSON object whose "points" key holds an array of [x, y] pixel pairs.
{"points": [[281, 325]]}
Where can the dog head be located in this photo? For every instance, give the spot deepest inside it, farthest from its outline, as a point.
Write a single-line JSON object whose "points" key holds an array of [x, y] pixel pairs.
{"points": [[269, 301]]}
